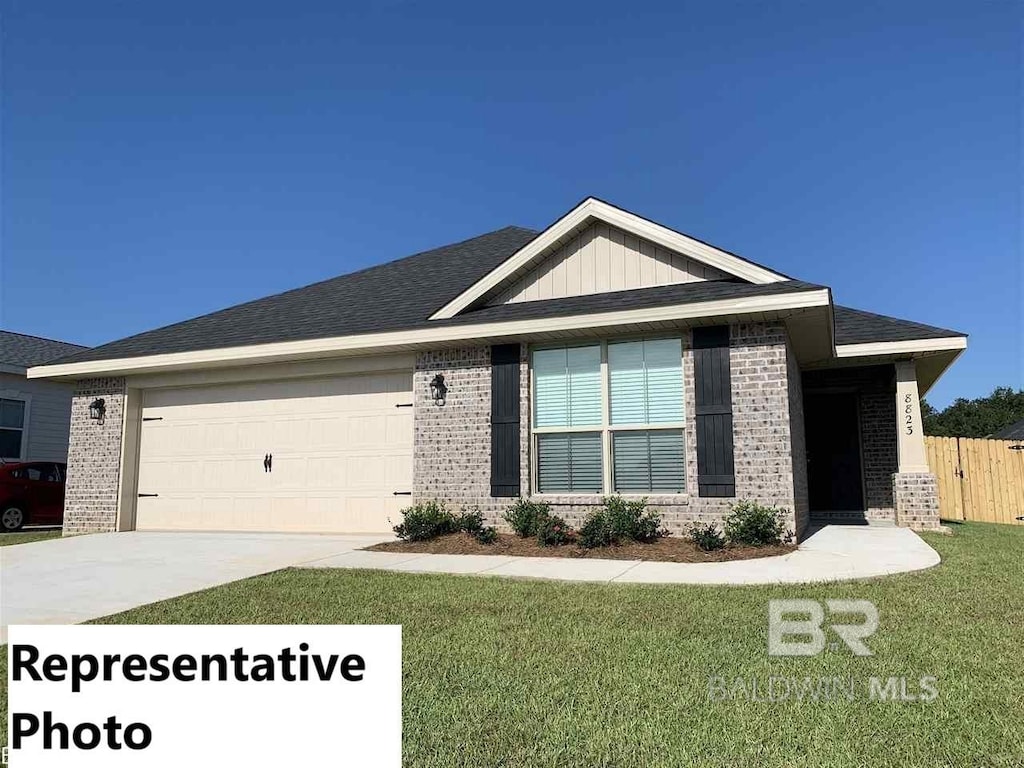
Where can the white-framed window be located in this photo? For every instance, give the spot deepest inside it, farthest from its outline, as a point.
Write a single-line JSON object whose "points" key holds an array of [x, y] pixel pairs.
{"points": [[608, 417], [12, 428]]}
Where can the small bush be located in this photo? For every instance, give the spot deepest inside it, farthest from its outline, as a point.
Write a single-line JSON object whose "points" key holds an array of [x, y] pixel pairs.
{"points": [[632, 521], [618, 521], [595, 531], [554, 531], [706, 536], [525, 516], [488, 534], [754, 525], [426, 520], [471, 522]]}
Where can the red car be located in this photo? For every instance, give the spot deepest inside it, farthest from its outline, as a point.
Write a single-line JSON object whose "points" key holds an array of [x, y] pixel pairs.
{"points": [[31, 492]]}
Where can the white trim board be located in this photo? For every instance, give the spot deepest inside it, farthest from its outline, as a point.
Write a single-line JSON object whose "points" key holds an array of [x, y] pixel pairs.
{"points": [[593, 209], [395, 340], [910, 346]]}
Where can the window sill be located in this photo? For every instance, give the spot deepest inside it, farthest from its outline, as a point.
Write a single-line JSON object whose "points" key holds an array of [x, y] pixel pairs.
{"points": [[595, 499]]}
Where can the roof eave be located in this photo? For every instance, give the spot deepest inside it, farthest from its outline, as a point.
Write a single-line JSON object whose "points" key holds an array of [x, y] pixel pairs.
{"points": [[442, 335]]}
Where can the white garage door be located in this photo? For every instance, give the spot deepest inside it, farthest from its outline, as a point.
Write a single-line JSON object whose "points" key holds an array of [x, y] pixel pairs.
{"points": [[340, 455]]}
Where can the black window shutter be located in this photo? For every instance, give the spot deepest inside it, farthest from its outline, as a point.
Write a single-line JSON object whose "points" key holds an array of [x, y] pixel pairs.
{"points": [[713, 399], [505, 420]]}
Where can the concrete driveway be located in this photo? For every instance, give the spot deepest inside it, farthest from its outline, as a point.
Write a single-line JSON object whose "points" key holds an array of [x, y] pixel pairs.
{"points": [[67, 581]]}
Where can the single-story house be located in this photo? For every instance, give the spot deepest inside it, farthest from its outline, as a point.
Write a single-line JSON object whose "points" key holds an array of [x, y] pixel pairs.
{"points": [[34, 414], [1013, 431], [605, 354]]}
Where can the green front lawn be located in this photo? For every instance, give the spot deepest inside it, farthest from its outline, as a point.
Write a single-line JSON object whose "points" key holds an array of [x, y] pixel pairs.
{"points": [[520, 673], [24, 537]]}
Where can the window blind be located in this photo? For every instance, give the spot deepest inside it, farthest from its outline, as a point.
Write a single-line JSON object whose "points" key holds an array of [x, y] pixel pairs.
{"points": [[646, 381]]}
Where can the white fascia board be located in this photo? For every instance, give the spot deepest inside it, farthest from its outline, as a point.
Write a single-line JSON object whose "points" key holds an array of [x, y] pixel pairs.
{"points": [[373, 343], [910, 346], [592, 208]]}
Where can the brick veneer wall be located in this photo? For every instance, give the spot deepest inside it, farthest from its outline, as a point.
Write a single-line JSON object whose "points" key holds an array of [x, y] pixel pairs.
{"points": [[452, 450], [94, 458], [916, 496], [878, 452]]}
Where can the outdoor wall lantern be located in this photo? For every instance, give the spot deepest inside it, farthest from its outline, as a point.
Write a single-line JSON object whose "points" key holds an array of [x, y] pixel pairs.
{"points": [[98, 409], [438, 389]]}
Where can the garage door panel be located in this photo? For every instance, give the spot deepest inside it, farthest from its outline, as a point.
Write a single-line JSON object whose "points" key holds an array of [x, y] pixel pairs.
{"points": [[340, 450]]}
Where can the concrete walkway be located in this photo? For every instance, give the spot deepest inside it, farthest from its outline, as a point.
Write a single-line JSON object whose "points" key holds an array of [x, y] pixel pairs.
{"points": [[832, 553], [67, 581]]}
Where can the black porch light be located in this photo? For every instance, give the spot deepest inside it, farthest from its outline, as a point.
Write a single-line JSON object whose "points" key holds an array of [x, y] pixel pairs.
{"points": [[97, 409], [438, 389]]}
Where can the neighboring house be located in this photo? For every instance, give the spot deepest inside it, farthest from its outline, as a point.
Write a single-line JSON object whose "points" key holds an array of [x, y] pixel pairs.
{"points": [[34, 415], [1013, 432], [606, 354]]}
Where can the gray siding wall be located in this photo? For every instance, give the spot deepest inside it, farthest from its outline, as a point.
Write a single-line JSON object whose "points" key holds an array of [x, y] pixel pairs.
{"points": [[49, 415], [94, 458]]}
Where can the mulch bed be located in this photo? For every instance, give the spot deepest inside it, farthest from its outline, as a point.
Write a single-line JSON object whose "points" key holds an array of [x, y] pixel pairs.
{"points": [[670, 549]]}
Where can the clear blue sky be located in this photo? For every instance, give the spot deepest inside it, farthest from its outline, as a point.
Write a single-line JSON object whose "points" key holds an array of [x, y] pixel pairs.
{"points": [[162, 160]]}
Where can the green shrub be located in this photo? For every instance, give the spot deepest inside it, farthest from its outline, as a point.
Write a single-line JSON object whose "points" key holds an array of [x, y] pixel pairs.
{"points": [[595, 531], [632, 521], [426, 520], [755, 525], [471, 522], [553, 531], [525, 516], [706, 536], [488, 534], [618, 521]]}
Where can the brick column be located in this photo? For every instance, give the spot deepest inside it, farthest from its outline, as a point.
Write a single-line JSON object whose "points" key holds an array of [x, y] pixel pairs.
{"points": [[915, 490], [94, 458]]}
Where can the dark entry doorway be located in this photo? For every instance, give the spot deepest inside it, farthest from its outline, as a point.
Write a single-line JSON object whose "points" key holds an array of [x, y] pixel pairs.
{"points": [[833, 452]]}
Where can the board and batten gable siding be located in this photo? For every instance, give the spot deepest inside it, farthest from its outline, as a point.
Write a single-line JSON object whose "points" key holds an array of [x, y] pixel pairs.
{"points": [[602, 259], [48, 415]]}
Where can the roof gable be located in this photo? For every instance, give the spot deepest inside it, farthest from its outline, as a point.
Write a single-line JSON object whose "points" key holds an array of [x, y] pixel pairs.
{"points": [[579, 219], [603, 259]]}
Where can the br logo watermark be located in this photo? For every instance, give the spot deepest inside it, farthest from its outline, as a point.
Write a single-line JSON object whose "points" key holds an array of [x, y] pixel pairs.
{"points": [[801, 628], [809, 626]]}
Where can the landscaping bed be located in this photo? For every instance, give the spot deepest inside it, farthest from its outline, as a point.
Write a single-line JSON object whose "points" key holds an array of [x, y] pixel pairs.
{"points": [[670, 549]]}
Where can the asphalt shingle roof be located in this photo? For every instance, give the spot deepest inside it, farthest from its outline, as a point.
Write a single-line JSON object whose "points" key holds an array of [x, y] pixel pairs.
{"points": [[402, 294], [1013, 432], [25, 351], [855, 326]]}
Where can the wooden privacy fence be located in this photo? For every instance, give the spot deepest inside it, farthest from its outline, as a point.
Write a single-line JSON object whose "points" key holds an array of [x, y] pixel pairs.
{"points": [[979, 479]]}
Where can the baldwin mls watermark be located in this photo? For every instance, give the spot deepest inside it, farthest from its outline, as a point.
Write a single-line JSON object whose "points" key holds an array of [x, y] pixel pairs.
{"points": [[800, 628]]}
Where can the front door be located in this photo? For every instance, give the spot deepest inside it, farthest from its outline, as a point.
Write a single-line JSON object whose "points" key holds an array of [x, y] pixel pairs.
{"points": [[833, 452]]}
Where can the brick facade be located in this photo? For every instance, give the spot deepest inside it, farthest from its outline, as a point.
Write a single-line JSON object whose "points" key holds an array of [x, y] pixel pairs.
{"points": [[452, 442], [916, 496], [94, 458], [452, 451], [878, 453]]}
